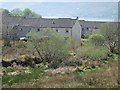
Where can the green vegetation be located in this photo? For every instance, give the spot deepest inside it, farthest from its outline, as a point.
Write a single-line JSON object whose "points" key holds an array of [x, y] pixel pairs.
{"points": [[94, 52], [28, 13], [51, 47], [36, 73], [93, 63], [4, 11], [97, 40], [110, 33], [17, 12], [103, 77]]}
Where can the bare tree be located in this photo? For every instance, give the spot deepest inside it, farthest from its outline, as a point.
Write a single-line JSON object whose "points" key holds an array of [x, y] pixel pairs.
{"points": [[110, 32]]}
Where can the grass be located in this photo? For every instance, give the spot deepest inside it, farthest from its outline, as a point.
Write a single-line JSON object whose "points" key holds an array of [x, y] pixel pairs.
{"points": [[36, 73], [104, 77]]}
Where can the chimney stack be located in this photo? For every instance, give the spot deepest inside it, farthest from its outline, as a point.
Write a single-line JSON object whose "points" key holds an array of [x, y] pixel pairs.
{"points": [[77, 18]]}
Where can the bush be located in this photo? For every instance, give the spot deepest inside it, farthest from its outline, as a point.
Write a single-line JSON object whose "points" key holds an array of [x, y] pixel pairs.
{"points": [[93, 52], [50, 46], [97, 39]]}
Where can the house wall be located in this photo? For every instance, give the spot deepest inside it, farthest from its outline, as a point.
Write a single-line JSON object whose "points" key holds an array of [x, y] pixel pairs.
{"points": [[66, 32], [76, 31], [7, 31], [87, 30], [22, 31]]}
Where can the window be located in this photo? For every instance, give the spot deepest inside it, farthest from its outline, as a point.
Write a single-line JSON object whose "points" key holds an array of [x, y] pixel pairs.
{"points": [[82, 29], [66, 31], [38, 29], [57, 30], [21, 29], [87, 28], [29, 37]]}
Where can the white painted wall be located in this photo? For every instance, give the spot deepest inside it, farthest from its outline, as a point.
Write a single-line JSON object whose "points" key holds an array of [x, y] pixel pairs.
{"points": [[76, 31], [63, 31]]}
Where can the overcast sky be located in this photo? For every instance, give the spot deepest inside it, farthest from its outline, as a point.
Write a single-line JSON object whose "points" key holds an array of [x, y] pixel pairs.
{"points": [[97, 10], [59, 0]]}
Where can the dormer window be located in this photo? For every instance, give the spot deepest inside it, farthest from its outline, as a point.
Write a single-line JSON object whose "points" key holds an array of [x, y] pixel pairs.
{"points": [[53, 22]]}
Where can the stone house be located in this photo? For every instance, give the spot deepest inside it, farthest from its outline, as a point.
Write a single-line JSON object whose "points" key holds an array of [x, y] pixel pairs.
{"points": [[89, 27], [15, 27]]}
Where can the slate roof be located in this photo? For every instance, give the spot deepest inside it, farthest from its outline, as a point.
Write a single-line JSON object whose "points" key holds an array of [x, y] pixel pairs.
{"points": [[10, 20], [38, 22], [46, 22], [91, 24], [50, 23]]}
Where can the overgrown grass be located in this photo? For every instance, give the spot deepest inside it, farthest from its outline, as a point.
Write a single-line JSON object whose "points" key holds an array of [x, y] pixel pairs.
{"points": [[36, 73], [104, 77], [93, 52]]}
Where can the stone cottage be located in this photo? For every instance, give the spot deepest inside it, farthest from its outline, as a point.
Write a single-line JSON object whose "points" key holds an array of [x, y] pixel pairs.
{"points": [[15, 27]]}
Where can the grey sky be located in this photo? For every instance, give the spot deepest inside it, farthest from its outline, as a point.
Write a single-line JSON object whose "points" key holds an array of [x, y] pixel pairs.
{"points": [[59, 0]]}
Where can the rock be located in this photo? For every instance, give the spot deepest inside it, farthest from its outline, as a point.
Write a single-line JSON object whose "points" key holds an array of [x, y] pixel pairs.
{"points": [[6, 63], [14, 73], [27, 71], [37, 60]]}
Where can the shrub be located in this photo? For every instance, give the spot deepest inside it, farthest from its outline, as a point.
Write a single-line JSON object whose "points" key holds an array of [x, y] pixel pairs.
{"points": [[93, 52], [50, 46], [97, 39]]}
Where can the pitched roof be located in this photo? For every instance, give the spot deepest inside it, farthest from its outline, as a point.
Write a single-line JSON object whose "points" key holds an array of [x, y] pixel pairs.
{"points": [[90, 24], [38, 22], [50, 23], [46, 22]]}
